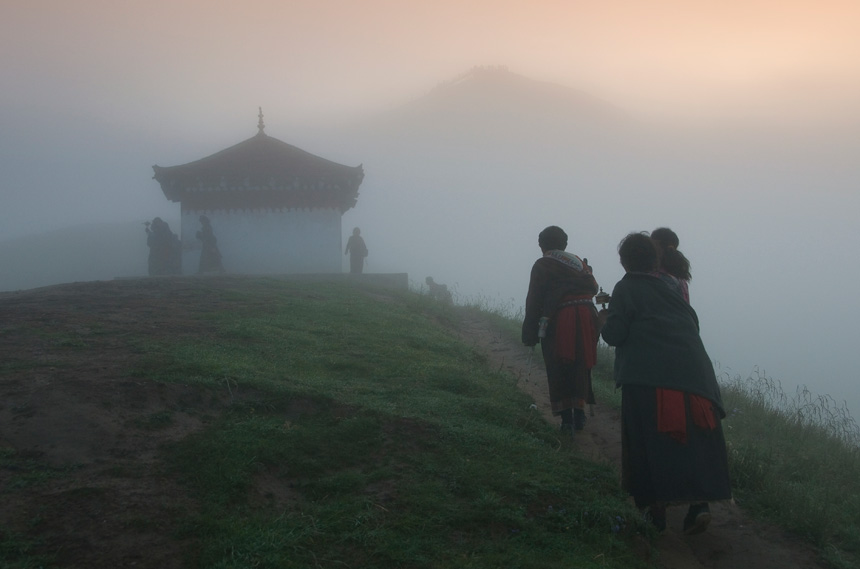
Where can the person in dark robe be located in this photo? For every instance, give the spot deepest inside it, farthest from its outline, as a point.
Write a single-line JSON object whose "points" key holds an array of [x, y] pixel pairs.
{"points": [[210, 256], [673, 449], [560, 314], [165, 249], [357, 251]]}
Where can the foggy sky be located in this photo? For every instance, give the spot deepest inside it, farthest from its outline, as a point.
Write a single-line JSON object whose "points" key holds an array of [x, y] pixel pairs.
{"points": [[96, 92], [162, 65]]}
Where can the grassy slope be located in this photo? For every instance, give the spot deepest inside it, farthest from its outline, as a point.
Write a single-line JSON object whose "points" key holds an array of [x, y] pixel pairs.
{"points": [[391, 444], [363, 434]]}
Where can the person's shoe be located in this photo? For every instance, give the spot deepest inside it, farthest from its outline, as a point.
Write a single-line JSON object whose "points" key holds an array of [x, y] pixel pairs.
{"points": [[567, 429], [697, 519], [579, 419], [656, 514]]}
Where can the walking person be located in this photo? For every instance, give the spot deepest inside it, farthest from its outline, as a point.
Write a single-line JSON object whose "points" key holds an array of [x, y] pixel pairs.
{"points": [[357, 251], [561, 316], [673, 449]]}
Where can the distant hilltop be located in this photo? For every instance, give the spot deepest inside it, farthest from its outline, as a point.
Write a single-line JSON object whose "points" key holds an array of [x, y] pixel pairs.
{"points": [[480, 72], [495, 88], [491, 104]]}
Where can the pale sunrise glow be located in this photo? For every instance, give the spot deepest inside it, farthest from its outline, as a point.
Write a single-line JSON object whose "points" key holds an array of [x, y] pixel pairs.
{"points": [[337, 56]]}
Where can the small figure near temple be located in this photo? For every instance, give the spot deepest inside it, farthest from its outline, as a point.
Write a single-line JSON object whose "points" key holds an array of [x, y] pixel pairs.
{"points": [[165, 249], [357, 251], [439, 291], [210, 257]]}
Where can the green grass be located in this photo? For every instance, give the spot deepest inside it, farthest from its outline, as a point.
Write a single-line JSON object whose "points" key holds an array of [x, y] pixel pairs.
{"points": [[796, 461], [374, 438], [26, 470], [155, 421], [372, 490], [603, 383], [19, 552], [360, 431]]}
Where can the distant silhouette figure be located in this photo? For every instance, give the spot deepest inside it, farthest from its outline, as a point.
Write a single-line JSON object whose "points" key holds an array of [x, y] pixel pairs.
{"points": [[439, 291], [165, 249], [210, 257], [357, 251]]}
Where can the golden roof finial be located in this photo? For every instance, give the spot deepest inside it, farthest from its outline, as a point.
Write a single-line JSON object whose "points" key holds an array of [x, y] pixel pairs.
{"points": [[260, 124]]}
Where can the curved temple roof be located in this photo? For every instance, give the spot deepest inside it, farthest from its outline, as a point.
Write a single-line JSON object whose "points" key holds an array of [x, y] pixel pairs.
{"points": [[261, 172]]}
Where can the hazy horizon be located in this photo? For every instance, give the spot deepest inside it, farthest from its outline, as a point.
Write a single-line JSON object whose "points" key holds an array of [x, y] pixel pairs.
{"points": [[95, 93]]}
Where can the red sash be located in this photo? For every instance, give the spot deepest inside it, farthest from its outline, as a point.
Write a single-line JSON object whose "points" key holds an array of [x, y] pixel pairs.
{"points": [[574, 325], [672, 416]]}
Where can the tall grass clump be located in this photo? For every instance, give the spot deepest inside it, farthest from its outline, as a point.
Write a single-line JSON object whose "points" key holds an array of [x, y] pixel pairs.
{"points": [[796, 461], [603, 381], [507, 309]]}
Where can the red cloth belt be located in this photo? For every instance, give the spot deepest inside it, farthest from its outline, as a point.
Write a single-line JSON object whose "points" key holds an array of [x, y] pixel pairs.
{"points": [[672, 414], [575, 326]]}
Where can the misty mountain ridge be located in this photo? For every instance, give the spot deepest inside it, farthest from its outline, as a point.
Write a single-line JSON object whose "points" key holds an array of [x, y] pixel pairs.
{"points": [[491, 107], [494, 92], [490, 116], [491, 110]]}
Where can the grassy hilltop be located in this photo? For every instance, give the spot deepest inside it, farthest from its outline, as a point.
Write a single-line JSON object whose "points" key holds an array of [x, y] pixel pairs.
{"points": [[235, 422], [238, 422]]}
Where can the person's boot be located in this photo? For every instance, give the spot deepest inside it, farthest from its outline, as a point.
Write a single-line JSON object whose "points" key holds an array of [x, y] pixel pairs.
{"points": [[697, 519], [567, 422], [579, 419]]}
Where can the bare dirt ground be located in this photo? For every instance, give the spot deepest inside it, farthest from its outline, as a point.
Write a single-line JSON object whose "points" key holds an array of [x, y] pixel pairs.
{"points": [[78, 448], [66, 398], [732, 541]]}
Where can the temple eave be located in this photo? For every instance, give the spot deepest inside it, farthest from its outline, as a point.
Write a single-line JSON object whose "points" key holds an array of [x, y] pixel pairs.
{"points": [[263, 199]]}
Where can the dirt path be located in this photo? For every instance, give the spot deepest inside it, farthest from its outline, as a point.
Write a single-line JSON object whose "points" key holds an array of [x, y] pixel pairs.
{"points": [[732, 541]]}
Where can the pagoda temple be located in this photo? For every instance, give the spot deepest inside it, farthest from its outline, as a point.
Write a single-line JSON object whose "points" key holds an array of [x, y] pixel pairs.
{"points": [[272, 207]]}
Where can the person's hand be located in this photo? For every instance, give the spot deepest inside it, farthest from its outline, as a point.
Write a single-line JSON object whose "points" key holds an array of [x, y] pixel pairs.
{"points": [[602, 315]]}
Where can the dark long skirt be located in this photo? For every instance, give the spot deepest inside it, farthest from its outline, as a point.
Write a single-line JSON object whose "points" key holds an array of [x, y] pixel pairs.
{"points": [[657, 468], [569, 383], [210, 259]]}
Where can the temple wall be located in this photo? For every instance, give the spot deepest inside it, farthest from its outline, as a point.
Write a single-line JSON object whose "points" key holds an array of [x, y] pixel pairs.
{"points": [[268, 242]]}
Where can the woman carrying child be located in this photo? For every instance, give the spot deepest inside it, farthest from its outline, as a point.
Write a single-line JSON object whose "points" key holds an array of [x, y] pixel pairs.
{"points": [[673, 450]]}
